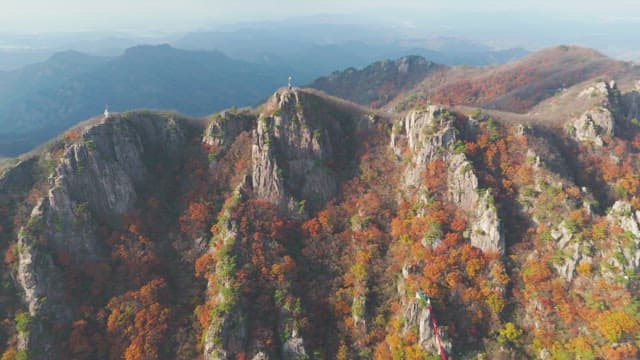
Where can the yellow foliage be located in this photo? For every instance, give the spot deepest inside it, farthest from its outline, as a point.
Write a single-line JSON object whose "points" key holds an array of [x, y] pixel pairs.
{"points": [[584, 268], [613, 324], [496, 303], [9, 354], [343, 352], [581, 347], [473, 266]]}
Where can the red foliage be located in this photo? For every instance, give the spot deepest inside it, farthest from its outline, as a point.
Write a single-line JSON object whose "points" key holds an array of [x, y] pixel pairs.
{"points": [[137, 323]]}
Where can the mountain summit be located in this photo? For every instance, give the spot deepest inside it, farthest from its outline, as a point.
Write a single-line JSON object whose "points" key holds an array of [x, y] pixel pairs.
{"points": [[313, 227]]}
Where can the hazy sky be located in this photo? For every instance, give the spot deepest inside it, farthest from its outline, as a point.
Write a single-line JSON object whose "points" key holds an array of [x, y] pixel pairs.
{"points": [[82, 15], [610, 26]]}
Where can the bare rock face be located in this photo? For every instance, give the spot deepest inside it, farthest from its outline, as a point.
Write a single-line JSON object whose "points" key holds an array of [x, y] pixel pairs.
{"points": [[418, 316], [599, 89], [291, 155], [566, 266], [227, 332], [427, 134], [486, 231], [462, 182], [622, 214], [229, 335], [293, 348], [97, 178], [431, 134], [592, 125], [601, 120], [226, 126], [267, 178]]}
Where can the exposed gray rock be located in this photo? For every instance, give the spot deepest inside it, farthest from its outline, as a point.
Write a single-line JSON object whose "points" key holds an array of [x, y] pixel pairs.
{"points": [[486, 229], [601, 120], [593, 125], [267, 176], [226, 126], [462, 183], [428, 134], [42, 283], [225, 336], [524, 130], [358, 307], [290, 153], [293, 348], [599, 89], [623, 215], [418, 316], [97, 178], [567, 267]]}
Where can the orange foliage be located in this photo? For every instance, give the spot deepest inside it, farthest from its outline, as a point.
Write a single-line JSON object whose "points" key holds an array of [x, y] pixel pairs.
{"points": [[137, 323]]}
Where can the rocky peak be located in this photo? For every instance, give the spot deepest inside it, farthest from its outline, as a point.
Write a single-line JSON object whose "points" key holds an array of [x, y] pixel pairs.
{"points": [[96, 180], [294, 154], [225, 126], [378, 83], [427, 134], [601, 119]]}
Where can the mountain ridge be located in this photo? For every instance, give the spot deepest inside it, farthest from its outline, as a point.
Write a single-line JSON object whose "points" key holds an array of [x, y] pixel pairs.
{"points": [[142, 77], [314, 227]]}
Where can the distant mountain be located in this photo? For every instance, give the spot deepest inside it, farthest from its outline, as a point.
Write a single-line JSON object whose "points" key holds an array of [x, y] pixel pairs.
{"points": [[19, 50], [517, 86], [520, 85], [43, 99], [313, 50], [59, 68], [379, 82]]}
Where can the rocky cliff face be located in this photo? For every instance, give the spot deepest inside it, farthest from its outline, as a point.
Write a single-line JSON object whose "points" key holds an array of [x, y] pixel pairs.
{"points": [[293, 153], [427, 134], [622, 214], [418, 316], [430, 135], [599, 121], [593, 125], [96, 181], [326, 220], [15, 184], [485, 231], [226, 126]]}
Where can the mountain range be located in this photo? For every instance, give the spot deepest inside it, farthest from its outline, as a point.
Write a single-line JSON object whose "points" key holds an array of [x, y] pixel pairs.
{"points": [[42, 99], [434, 212], [199, 73]]}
